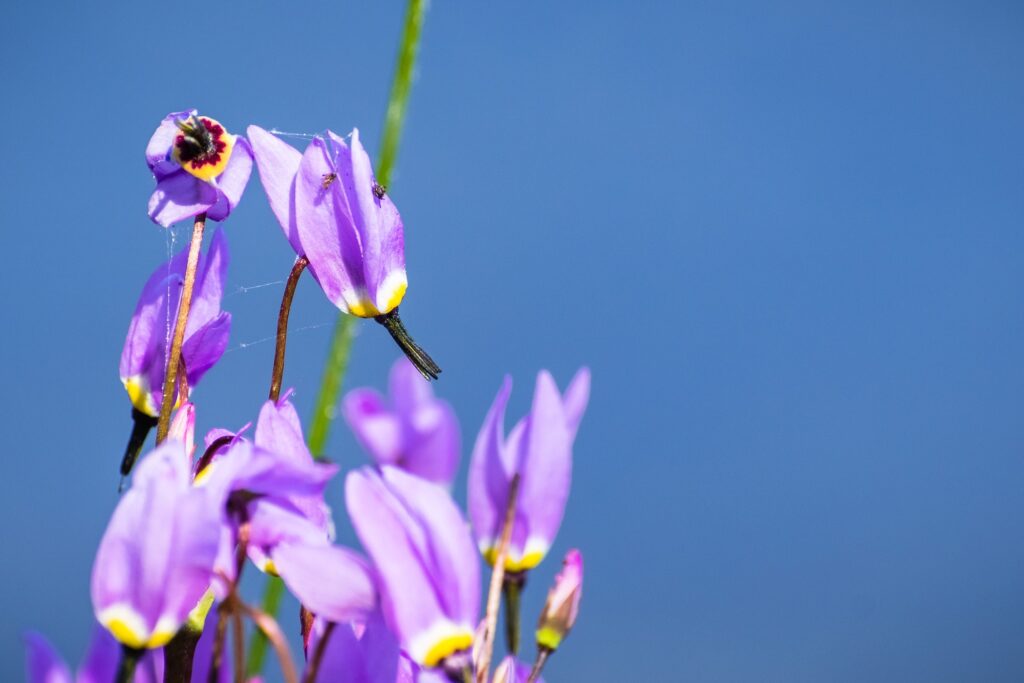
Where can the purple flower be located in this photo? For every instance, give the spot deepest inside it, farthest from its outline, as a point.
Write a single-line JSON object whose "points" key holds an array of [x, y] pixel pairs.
{"points": [[412, 429], [199, 168], [275, 488], [427, 566], [146, 349], [539, 449], [156, 558], [563, 603], [335, 214]]}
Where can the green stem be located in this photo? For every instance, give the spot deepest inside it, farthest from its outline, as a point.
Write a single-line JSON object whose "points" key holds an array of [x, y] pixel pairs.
{"points": [[341, 341], [400, 87], [330, 384]]}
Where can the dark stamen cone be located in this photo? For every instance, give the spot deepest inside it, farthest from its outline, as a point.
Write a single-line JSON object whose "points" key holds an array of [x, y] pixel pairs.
{"points": [[142, 424], [423, 362]]}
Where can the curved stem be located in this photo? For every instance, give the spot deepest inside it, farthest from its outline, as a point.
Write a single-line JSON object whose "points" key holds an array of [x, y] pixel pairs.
{"points": [[270, 629], [318, 654], [239, 643], [258, 643], [494, 591], [282, 326], [174, 359]]}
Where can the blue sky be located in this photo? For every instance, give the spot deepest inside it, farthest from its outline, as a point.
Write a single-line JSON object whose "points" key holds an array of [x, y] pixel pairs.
{"points": [[784, 236]]}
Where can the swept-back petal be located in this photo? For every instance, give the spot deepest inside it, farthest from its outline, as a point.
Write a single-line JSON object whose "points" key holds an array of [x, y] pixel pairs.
{"points": [[375, 427], [42, 663], [359, 653], [231, 183], [209, 287], [429, 577], [101, 659], [545, 465], [156, 557], [158, 150], [278, 164], [333, 582], [433, 443], [575, 399], [378, 223], [204, 348], [326, 231], [489, 476], [178, 196]]}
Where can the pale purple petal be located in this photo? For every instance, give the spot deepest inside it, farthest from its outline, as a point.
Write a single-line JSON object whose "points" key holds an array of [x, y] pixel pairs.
{"points": [[231, 183], [434, 443], [545, 464], [489, 477], [156, 557], [359, 654], [325, 228], [42, 663], [512, 670], [180, 195], [278, 163], [279, 430], [407, 388], [204, 653], [376, 220], [159, 147], [374, 425], [333, 582], [576, 398], [209, 287], [101, 659], [205, 347], [148, 328], [430, 578]]}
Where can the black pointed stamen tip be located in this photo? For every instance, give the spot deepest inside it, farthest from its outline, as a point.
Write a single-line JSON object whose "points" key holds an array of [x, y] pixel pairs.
{"points": [[142, 425], [416, 355]]}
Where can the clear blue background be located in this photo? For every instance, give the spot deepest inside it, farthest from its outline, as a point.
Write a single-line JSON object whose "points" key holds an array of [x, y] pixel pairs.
{"points": [[786, 236]]}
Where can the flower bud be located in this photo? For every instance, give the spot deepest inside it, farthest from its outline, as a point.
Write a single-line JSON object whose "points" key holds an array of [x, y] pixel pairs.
{"points": [[563, 603]]}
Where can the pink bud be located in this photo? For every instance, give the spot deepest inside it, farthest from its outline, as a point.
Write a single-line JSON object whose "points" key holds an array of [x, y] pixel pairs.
{"points": [[563, 602], [183, 428]]}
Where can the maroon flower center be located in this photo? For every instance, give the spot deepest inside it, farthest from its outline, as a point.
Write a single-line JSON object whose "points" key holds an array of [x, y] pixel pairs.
{"points": [[201, 142]]}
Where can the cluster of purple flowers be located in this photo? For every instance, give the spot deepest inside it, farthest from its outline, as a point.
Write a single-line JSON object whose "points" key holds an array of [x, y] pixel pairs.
{"points": [[165, 582]]}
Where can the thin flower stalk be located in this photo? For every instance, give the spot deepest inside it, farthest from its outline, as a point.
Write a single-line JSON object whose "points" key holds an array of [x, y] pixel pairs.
{"points": [[282, 326], [173, 363], [494, 591], [318, 654], [538, 664]]}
